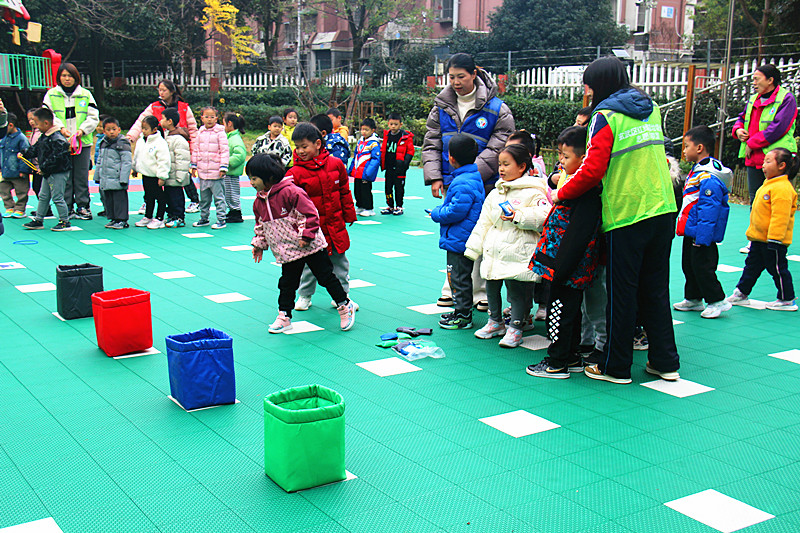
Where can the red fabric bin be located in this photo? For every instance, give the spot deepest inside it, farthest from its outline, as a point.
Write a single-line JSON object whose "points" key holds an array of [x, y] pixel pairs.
{"points": [[122, 321]]}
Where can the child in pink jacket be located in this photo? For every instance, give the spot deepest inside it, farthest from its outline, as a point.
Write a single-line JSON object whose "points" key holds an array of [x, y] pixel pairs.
{"points": [[210, 164]]}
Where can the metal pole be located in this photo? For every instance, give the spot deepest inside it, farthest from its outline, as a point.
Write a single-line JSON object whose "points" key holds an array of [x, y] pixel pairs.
{"points": [[509, 62], [598, 51], [723, 107], [708, 58], [299, 41]]}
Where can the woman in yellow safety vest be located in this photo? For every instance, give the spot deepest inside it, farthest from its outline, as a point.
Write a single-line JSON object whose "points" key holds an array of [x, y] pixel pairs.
{"points": [[625, 155], [766, 123], [76, 114]]}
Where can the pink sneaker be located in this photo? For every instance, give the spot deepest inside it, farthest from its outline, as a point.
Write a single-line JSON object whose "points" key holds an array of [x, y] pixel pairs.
{"points": [[512, 338], [281, 324], [347, 313]]}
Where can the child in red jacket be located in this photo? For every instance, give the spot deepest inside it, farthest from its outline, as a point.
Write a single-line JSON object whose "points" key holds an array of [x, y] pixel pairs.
{"points": [[288, 222], [397, 151], [324, 178]]}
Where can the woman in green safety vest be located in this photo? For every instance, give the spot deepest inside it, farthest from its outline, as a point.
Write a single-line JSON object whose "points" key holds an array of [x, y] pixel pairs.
{"points": [[767, 122], [625, 156], [76, 114]]}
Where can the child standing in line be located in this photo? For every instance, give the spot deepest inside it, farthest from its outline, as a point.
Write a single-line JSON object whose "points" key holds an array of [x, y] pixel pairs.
{"points": [[336, 119], [288, 222], [15, 172], [98, 137], [457, 216], [36, 177], [237, 157], [324, 179], [506, 237], [364, 167], [290, 118], [210, 164], [397, 151], [567, 256], [702, 221], [113, 169], [335, 144], [55, 165], [770, 231], [179, 169], [274, 143], [151, 160]]}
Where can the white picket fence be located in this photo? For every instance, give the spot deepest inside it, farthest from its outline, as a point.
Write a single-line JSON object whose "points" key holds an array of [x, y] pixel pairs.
{"points": [[665, 80]]}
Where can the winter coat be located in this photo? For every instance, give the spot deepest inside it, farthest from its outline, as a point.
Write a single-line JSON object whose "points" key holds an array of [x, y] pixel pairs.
{"points": [[52, 152], [114, 163], [278, 147], [704, 209], [772, 215], [180, 158], [237, 154], [367, 161], [151, 157], [76, 111], [507, 246], [287, 134], [11, 145], [568, 251], [447, 101], [186, 118], [337, 146], [210, 152], [285, 214], [403, 152], [780, 124], [325, 180], [461, 208]]}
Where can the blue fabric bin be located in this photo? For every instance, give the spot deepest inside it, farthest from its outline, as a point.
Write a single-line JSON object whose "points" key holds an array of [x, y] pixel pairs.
{"points": [[201, 368]]}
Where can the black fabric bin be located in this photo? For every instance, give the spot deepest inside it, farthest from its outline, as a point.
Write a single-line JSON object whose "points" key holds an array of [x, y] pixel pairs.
{"points": [[75, 285]]}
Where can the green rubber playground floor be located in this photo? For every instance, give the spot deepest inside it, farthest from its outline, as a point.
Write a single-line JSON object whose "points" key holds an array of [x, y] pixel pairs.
{"points": [[95, 444]]}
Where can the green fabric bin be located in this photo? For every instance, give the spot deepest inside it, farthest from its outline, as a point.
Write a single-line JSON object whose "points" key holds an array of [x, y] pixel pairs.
{"points": [[304, 437]]}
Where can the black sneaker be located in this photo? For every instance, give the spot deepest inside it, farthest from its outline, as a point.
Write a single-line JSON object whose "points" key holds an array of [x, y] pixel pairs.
{"points": [[387, 210], [72, 214], [456, 321], [61, 226], [110, 223], [576, 366], [585, 349], [593, 358], [101, 214], [84, 213], [544, 370], [34, 224]]}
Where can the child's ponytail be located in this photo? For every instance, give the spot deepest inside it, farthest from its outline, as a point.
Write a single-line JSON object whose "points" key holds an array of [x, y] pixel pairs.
{"points": [[236, 119], [153, 123], [792, 162]]}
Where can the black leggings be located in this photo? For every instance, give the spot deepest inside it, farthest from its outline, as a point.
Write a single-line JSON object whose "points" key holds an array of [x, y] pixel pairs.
{"points": [[153, 192], [320, 265]]}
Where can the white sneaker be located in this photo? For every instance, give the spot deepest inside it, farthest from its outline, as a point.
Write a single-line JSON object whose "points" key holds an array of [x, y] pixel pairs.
{"points": [[359, 210], [713, 310], [541, 313], [142, 209], [193, 208], [347, 315], [689, 305], [282, 323], [368, 213], [355, 305], [738, 298], [782, 305], [156, 224], [302, 303], [745, 249], [512, 338], [219, 226], [491, 329], [143, 223], [666, 376]]}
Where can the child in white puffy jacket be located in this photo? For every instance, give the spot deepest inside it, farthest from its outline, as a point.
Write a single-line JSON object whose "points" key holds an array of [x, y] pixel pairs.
{"points": [[506, 236], [151, 159]]}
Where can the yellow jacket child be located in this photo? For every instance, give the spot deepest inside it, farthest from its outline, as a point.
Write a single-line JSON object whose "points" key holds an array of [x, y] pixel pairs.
{"points": [[772, 216]]}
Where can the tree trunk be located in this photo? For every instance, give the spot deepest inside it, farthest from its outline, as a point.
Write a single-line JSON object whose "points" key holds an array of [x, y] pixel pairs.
{"points": [[96, 68]]}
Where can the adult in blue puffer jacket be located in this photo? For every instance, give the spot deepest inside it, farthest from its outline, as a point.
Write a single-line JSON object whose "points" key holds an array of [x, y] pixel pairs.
{"points": [[457, 216]]}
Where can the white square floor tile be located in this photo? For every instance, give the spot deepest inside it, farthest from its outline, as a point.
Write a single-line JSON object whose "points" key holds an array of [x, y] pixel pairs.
{"points": [[45, 525], [418, 233], [149, 351], [73, 227], [535, 342], [196, 235], [227, 297], [302, 326], [793, 356], [248, 217], [719, 511], [756, 304], [130, 257], [676, 322], [443, 270], [360, 284], [61, 318], [430, 309], [238, 248], [97, 241], [390, 255], [98, 204], [367, 222], [728, 268], [391, 366], [793, 257], [681, 388], [175, 274], [11, 266], [36, 287], [519, 423], [413, 198], [251, 197]]}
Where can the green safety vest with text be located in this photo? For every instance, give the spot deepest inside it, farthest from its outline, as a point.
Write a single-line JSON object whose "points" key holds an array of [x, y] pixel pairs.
{"points": [[767, 116], [82, 102], [637, 184]]}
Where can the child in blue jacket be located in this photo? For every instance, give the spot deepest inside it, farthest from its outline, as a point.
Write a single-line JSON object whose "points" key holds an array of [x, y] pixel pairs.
{"points": [[15, 172], [457, 216], [335, 144], [364, 167], [702, 221]]}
